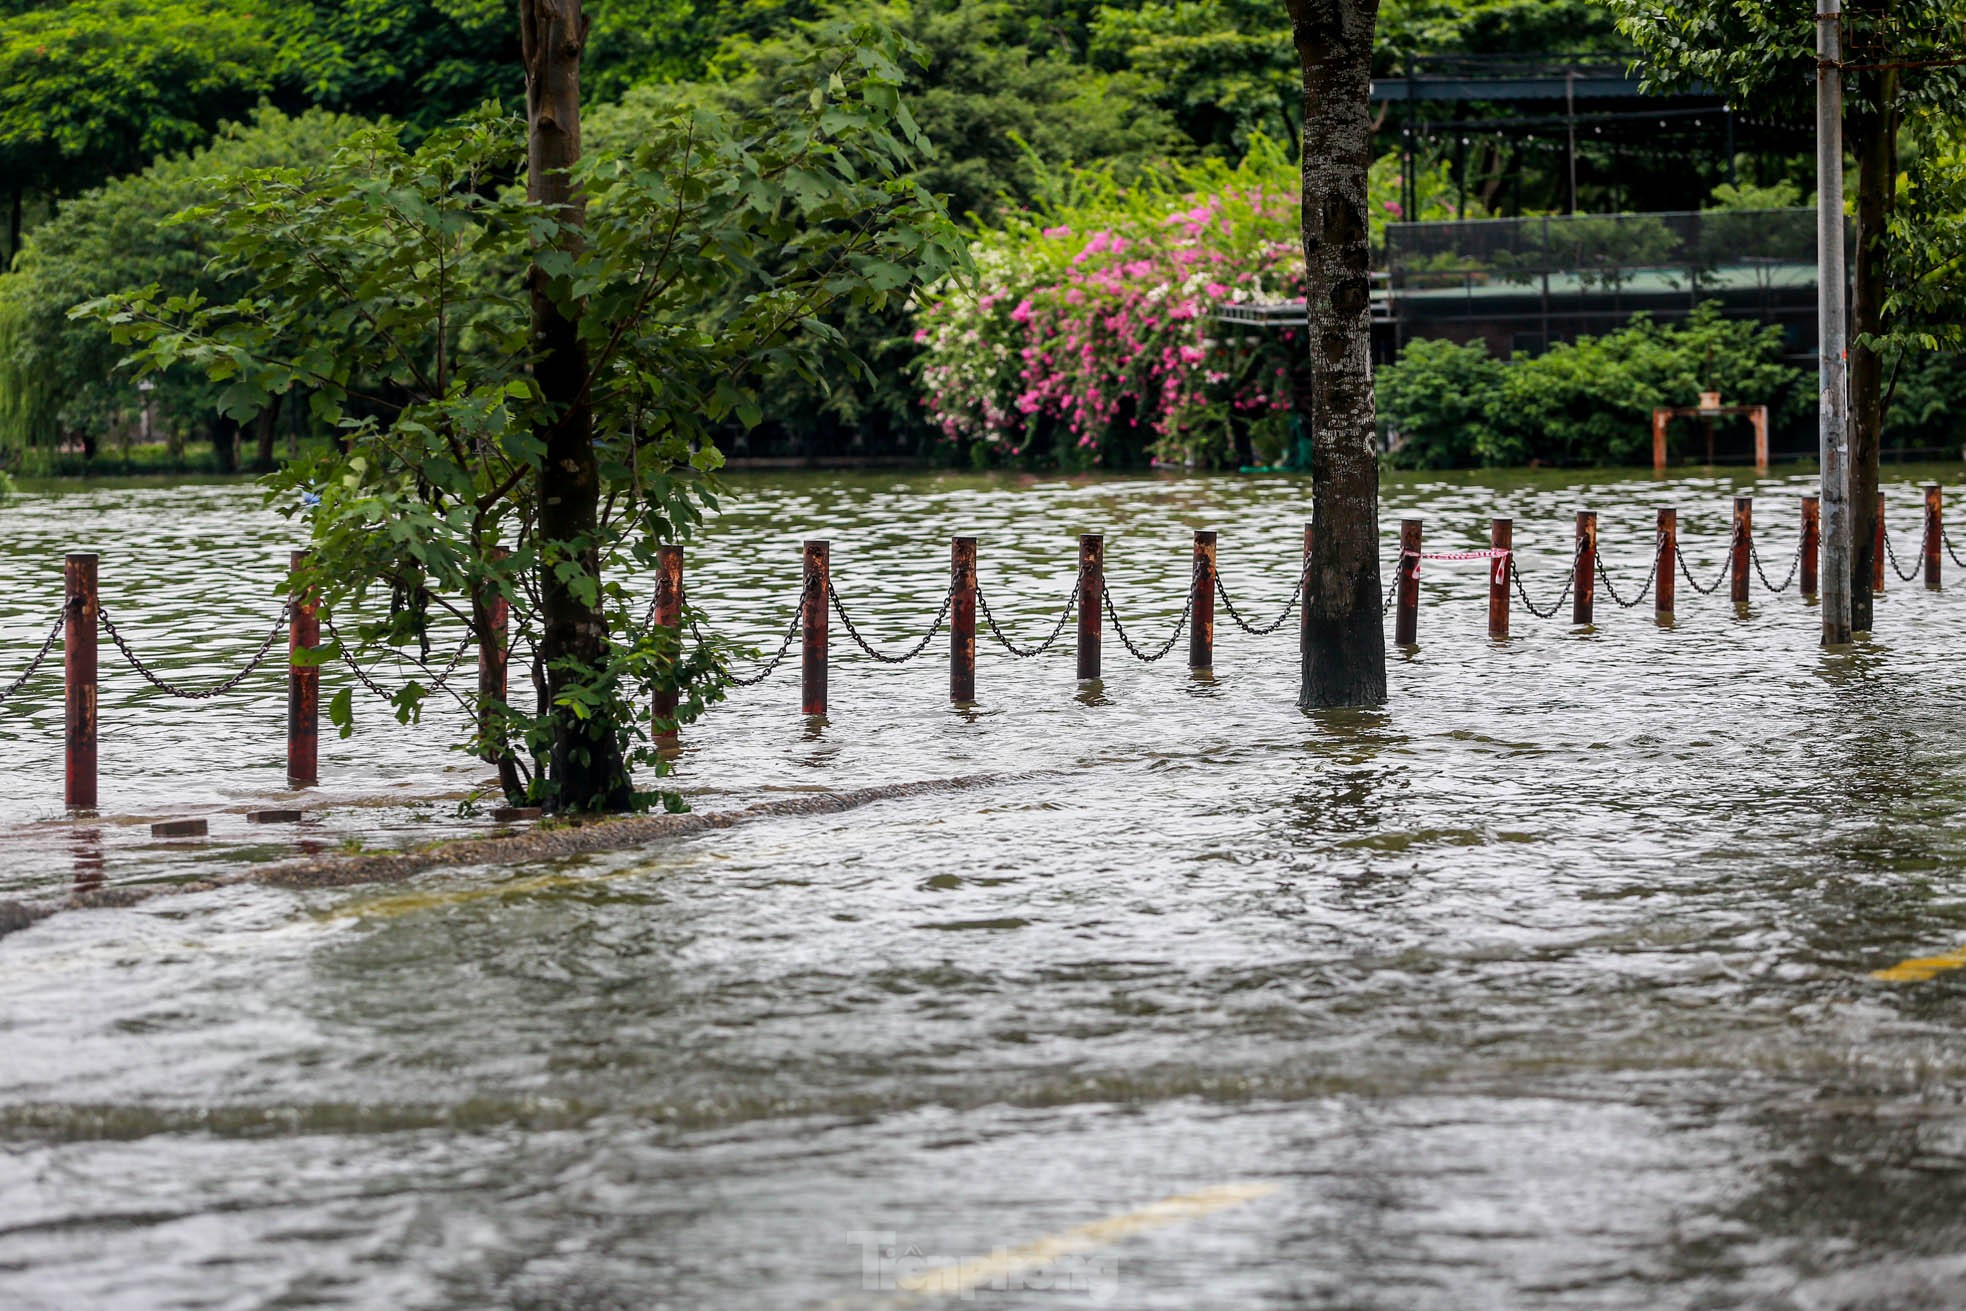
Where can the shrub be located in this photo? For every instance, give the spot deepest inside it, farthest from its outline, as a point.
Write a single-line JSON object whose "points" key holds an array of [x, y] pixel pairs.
{"points": [[1584, 402]]}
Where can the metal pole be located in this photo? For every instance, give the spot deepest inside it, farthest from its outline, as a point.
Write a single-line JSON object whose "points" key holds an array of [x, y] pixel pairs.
{"points": [[669, 617], [962, 620], [1583, 594], [303, 685], [1812, 543], [1501, 537], [1664, 593], [1738, 552], [812, 622], [1201, 625], [79, 680], [1935, 503], [1092, 589], [1834, 431], [1406, 614]]}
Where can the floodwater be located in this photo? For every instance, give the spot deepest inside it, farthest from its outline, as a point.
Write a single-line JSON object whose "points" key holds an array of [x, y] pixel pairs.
{"points": [[1553, 984]]}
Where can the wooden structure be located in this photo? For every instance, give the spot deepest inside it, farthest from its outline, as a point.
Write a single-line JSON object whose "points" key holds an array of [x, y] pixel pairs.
{"points": [[1709, 408]]}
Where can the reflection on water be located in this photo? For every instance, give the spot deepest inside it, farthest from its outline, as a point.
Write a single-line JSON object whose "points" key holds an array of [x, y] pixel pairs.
{"points": [[1548, 984]]}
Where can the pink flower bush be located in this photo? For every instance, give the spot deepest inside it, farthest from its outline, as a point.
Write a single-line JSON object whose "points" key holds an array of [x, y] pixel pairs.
{"points": [[1098, 320]]}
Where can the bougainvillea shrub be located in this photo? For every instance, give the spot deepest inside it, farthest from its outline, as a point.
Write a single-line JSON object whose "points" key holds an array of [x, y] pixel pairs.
{"points": [[1091, 330]]}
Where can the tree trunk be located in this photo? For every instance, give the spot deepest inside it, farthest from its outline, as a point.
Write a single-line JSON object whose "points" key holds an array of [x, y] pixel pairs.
{"points": [[1344, 632], [586, 765], [263, 430], [1874, 140], [13, 228], [225, 443]]}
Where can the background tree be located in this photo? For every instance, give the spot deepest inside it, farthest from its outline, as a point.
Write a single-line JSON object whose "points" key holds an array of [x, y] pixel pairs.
{"points": [[98, 87], [1763, 53], [1344, 633], [61, 376]]}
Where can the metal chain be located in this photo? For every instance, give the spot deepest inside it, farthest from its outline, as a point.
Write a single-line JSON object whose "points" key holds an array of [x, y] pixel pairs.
{"points": [[1684, 568], [193, 693], [61, 620], [785, 644], [1569, 582], [948, 599], [1891, 554], [1946, 537], [1023, 653], [1180, 625], [1611, 588], [361, 674], [1795, 563], [1392, 589], [1244, 624]]}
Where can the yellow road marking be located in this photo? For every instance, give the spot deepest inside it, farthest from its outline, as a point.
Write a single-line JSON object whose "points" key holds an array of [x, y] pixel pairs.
{"points": [[1920, 968], [967, 1276]]}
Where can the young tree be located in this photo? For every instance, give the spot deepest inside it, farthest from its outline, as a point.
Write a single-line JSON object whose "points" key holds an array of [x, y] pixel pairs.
{"points": [[537, 448], [1345, 643], [1899, 60]]}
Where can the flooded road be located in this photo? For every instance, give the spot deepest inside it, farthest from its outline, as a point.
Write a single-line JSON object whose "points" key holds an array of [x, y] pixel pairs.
{"points": [[1551, 985]]}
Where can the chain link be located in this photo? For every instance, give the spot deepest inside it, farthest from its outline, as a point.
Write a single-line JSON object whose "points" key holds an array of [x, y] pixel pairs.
{"points": [[1569, 582], [193, 693], [34, 665], [361, 674], [784, 645], [1392, 589], [1028, 653], [1693, 582], [1946, 537], [948, 599], [1611, 588], [1891, 554], [1180, 625], [1795, 563], [1244, 624]]}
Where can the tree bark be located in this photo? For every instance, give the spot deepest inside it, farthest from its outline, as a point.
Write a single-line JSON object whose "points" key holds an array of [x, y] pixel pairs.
{"points": [[587, 771], [1344, 660], [225, 443], [263, 430], [1874, 140]]}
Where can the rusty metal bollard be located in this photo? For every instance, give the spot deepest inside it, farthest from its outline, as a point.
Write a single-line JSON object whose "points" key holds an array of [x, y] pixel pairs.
{"points": [[493, 657], [79, 697], [1665, 588], [1501, 537], [1877, 549], [303, 683], [812, 617], [668, 616], [1742, 546], [962, 620], [1304, 598], [1406, 613], [1935, 501], [1583, 594], [1201, 625], [1812, 542], [1092, 589]]}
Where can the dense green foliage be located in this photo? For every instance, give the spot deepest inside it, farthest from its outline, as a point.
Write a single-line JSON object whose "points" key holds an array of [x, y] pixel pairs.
{"points": [[58, 375], [1018, 103], [387, 287], [98, 87], [1582, 403]]}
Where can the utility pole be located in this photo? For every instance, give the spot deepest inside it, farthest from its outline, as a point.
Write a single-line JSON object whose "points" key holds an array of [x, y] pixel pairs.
{"points": [[1834, 433]]}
